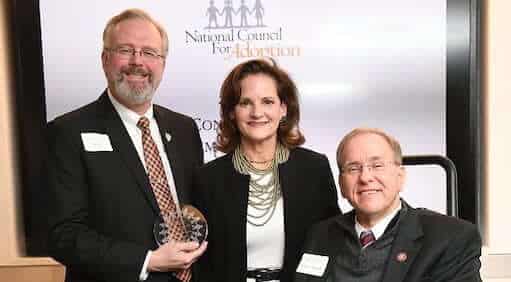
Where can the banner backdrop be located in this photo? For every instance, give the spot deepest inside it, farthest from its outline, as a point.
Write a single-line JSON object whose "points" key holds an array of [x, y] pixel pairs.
{"points": [[369, 63]]}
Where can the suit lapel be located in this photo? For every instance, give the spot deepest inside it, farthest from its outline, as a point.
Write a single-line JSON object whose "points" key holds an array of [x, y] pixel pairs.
{"points": [[405, 247], [168, 131], [291, 204], [235, 212], [121, 142], [287, 184]]}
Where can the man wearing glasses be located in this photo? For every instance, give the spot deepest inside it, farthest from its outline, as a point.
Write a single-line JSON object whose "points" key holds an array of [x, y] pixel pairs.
{"points": [[122, 166], [383, 238]]}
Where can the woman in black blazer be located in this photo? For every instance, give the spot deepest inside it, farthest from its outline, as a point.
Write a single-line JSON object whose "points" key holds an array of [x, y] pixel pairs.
{"points": [[261, 197]]}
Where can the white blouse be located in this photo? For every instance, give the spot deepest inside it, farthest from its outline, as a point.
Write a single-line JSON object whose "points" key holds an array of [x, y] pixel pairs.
{"points": [[265, 244]]}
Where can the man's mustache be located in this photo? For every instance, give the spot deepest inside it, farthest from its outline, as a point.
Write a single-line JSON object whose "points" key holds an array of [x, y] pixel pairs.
{"points": [[135, 71]]}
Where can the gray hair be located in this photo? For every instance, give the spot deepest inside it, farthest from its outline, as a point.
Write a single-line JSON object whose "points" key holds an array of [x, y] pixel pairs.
{"points": [[134, 14]]}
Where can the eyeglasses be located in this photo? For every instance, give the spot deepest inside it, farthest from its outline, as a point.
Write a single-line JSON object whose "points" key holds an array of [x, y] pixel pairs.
{"points": [[375, 167], [146, 54]]}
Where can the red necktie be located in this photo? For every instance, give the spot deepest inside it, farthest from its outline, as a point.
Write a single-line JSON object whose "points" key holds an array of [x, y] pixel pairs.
{"points": [[366, 238], [161, 191]]}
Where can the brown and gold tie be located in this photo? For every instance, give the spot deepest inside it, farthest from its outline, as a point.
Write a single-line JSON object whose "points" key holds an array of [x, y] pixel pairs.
{"points": [[161, 191]]}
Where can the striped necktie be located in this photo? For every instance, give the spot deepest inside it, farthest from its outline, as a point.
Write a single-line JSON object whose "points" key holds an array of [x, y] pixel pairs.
{"points": [[366, 238]]}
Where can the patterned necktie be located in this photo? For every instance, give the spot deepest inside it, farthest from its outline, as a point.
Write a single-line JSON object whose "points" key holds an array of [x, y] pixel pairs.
{"points": [[161, 191], [366, 238]]}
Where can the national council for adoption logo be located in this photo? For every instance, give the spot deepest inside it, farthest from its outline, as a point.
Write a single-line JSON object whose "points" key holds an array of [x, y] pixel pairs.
{"points": [[240, 31]]}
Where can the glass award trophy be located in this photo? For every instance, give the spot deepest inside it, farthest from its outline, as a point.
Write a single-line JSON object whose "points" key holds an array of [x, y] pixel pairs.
{"points": [[195, 224]]}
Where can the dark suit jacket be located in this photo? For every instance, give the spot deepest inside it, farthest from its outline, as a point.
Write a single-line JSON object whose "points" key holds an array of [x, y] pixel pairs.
{"points": [[309, 196], [103, 207], [438, 247]]}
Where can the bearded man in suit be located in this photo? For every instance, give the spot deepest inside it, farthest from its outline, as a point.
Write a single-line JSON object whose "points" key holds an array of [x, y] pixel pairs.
{"points": [[102, 177], [384, 238]]}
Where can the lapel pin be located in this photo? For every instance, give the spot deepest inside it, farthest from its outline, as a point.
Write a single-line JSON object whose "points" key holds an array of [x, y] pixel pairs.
{"points": [[168, 136], [401, 257]]}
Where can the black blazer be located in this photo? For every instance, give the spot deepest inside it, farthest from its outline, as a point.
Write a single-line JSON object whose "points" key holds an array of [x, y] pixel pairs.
{"points": [[309, 195], [438, 248], [103, 208]]}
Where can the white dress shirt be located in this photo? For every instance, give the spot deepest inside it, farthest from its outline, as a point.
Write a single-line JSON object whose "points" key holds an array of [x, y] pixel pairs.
{"points": [[379, 227], [130, 119]]}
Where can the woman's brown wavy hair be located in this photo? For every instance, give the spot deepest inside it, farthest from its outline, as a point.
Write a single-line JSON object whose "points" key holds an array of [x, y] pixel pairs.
{"points": [[288, 132]]}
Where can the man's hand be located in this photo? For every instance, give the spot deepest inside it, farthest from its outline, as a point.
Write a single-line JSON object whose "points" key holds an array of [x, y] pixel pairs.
{"points": [[175, 255]]}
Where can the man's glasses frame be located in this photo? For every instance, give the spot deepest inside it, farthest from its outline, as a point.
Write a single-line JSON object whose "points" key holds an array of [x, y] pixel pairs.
{"points": [[126, 52], [373, 166]]}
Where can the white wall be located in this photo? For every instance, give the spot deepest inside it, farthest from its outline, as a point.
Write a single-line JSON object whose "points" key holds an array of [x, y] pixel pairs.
{"points": [[497, 93]]}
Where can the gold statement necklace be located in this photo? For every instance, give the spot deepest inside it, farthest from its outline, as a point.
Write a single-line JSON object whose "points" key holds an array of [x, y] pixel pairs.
{"points": [[262, 197]]}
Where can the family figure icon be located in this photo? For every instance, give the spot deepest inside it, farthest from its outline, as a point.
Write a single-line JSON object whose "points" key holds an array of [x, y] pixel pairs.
{"points": [[228, 11]]}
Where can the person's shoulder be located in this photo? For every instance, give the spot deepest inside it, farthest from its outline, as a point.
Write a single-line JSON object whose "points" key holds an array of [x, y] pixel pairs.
{"points": [[74, 118], [325, 225], [173, 114], [456, 238], [219, 164], [218, 174], [440, 223], [305, 153]]}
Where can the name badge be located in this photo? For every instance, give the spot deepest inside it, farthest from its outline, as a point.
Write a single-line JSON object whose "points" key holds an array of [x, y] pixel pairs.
{"points": [[96, 142], [313, 265]]}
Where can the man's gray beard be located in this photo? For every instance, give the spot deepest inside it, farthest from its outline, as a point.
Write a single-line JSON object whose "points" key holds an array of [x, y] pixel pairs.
{"points": [[134, 96]]}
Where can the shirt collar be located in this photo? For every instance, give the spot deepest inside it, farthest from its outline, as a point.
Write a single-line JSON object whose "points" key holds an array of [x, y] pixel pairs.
{"points": [[379, 228], [128, 115]]}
